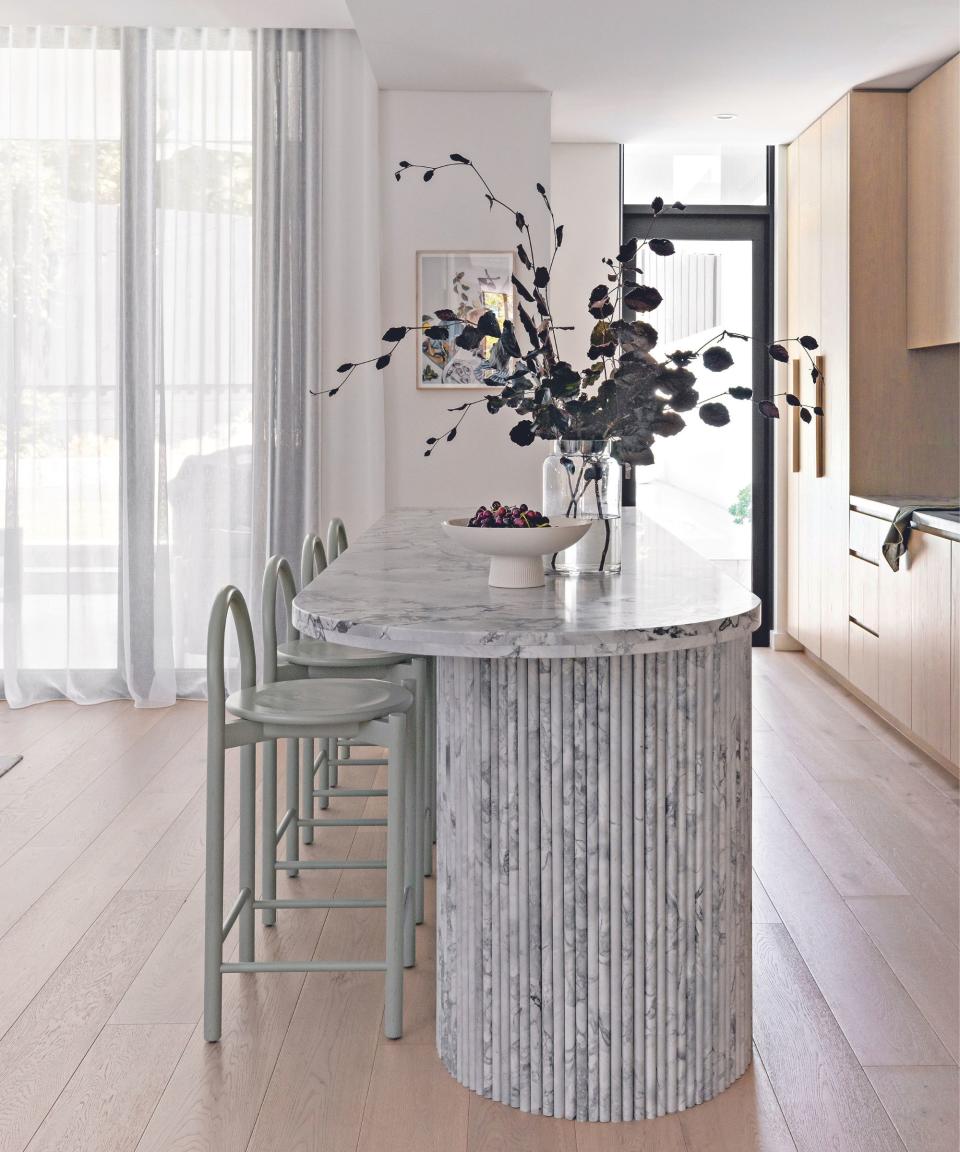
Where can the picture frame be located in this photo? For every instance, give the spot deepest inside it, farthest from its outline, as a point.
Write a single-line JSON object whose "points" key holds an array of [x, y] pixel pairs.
{"points": [[468, 283]]}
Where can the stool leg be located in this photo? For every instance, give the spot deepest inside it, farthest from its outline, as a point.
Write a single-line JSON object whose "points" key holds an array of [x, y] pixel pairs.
{"points": [[213, 898], [393, 985], [333, 752], [268, 845], [323, 776], [430, 743], [293, 801], [248, 846], [306, 788], [419, 780], [411, 826]]}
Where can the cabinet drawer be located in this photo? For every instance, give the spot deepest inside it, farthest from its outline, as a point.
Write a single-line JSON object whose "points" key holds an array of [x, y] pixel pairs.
{"points": [[866, 535], [864, 578], [863, 660]]}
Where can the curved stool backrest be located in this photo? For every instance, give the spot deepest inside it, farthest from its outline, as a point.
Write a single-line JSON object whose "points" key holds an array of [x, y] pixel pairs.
{"points": [[277, 571], [313, 559], [336, 539], [229, 601]]}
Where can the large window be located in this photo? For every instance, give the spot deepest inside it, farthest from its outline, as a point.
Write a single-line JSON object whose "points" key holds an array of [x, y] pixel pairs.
{"points": [[125, 312]]}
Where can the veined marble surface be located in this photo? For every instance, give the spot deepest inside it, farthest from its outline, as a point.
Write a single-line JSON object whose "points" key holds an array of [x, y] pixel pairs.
{"points": [[403, 586]]}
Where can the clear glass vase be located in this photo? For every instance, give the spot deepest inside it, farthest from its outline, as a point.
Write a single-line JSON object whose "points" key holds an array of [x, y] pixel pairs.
{"points": [[582, 480]]}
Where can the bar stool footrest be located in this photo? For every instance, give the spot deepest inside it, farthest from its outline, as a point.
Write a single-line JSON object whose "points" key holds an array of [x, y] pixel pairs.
{"points": [[305, 966], [349, 791], [326, 865], [358, 763], [327, 902], [346, 822]]}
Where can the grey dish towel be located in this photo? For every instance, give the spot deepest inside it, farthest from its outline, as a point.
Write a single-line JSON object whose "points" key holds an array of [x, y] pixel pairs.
{"points": [[898, 536]]}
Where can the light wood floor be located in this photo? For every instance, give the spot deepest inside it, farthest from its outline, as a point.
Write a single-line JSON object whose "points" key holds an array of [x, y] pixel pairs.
{"points": [[101, 858]]}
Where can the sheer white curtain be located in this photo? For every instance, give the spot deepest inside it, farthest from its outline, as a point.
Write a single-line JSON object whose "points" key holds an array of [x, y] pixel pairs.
{"points": [[132, 419]]}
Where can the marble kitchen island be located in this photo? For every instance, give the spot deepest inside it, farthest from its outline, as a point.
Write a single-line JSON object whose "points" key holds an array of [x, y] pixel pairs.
{"points": [[593, 813]]}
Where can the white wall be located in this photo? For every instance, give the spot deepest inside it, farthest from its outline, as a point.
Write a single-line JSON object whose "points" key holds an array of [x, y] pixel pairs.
{"points": [[507, 135], [585, 193]]}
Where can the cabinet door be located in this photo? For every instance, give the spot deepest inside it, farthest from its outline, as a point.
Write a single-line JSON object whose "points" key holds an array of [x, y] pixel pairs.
{"points": [[834, 336], [933, 209], [793, 325], [955, 665], [809, 528], [895, 627], [932, 641]]}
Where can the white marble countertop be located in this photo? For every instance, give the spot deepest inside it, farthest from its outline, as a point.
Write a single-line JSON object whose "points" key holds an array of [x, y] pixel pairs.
{"points": [[404, 586]]}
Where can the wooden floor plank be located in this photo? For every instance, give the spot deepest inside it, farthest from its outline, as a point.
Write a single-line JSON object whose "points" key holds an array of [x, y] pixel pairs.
{"points": [[744, 1118], [878, 1018], [493, 1128], [33, 947], [825, 1096], [853, 867], [74, 806], [48, 1042], [111, 1096], [413, 1104], [924, 960], [923, 1103], [923, 866], [763, 909]]}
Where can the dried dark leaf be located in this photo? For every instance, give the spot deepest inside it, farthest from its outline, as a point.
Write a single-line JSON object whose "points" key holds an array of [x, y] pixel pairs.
{"points": [[715, 414], [487, 325], [768, 409], [808, 342], [805, 415], [678, 206], [452, 434], [520, 221], [739, 393], [428, 176], [661, 246], [628, 249], [778, 352], [447, 315], [541, 277], [522, 433], [345, 367], [393, 334], [558, 235], [793, 401], [717, 358], [657, 205], [522, 289], [643, 298], [468, 339], [404, 164], [817, 410], [523, 257], [458, 159], [383, 361], [436, 332]]}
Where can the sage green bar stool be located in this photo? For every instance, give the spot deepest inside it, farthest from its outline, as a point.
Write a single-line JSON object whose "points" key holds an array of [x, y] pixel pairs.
{"points": [[337, 543], [298, 709], [300, 658]]}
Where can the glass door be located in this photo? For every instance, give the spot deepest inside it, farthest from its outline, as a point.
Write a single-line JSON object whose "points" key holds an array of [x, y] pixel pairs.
{"points": [[713, 487]]}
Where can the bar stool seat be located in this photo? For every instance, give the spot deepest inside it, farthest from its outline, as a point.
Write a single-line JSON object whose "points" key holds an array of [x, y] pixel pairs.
{"points": [[310, 703], [309, 653]]}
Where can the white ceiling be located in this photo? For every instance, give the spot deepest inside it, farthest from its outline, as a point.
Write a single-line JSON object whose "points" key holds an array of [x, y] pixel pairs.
{"points": [[180, 13], [629, 70]]}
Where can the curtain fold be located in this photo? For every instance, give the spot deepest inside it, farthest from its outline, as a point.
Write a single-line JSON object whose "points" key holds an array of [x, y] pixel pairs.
{"points": [[181, 260]]}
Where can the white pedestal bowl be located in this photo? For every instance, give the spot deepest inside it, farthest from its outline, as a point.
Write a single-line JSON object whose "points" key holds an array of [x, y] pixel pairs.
{"points": [[516, 554]]}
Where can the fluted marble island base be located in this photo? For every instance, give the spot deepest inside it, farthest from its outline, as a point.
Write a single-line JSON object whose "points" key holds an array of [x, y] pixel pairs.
{"points": [[593, 878]]}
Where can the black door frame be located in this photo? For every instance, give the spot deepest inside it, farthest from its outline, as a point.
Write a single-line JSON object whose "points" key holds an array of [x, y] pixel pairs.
{"points": [[740, 222]]}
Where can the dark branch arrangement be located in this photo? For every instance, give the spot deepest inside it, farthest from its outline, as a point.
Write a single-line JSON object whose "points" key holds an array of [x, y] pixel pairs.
{"points": [[626, 392]]}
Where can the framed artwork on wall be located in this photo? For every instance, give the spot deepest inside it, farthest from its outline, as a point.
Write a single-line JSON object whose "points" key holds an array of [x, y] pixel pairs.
{"points": [[469, 284]]}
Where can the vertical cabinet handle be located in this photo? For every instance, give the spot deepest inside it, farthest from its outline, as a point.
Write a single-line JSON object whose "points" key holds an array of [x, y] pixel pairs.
{"points": [[795, 416], [819, 425]]}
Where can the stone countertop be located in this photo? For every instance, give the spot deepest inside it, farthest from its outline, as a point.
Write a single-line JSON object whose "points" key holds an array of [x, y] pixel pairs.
{"points": [[404, 586], [885, 507]]}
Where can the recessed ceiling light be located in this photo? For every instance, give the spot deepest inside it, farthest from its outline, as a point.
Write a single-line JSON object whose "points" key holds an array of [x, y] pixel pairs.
{"points": [[725, 116]]}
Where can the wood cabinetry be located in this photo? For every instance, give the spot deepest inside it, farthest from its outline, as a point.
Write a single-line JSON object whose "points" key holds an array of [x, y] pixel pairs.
{"points": [[894, 626], [955, 658], [933, 209], [931, 640]]}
